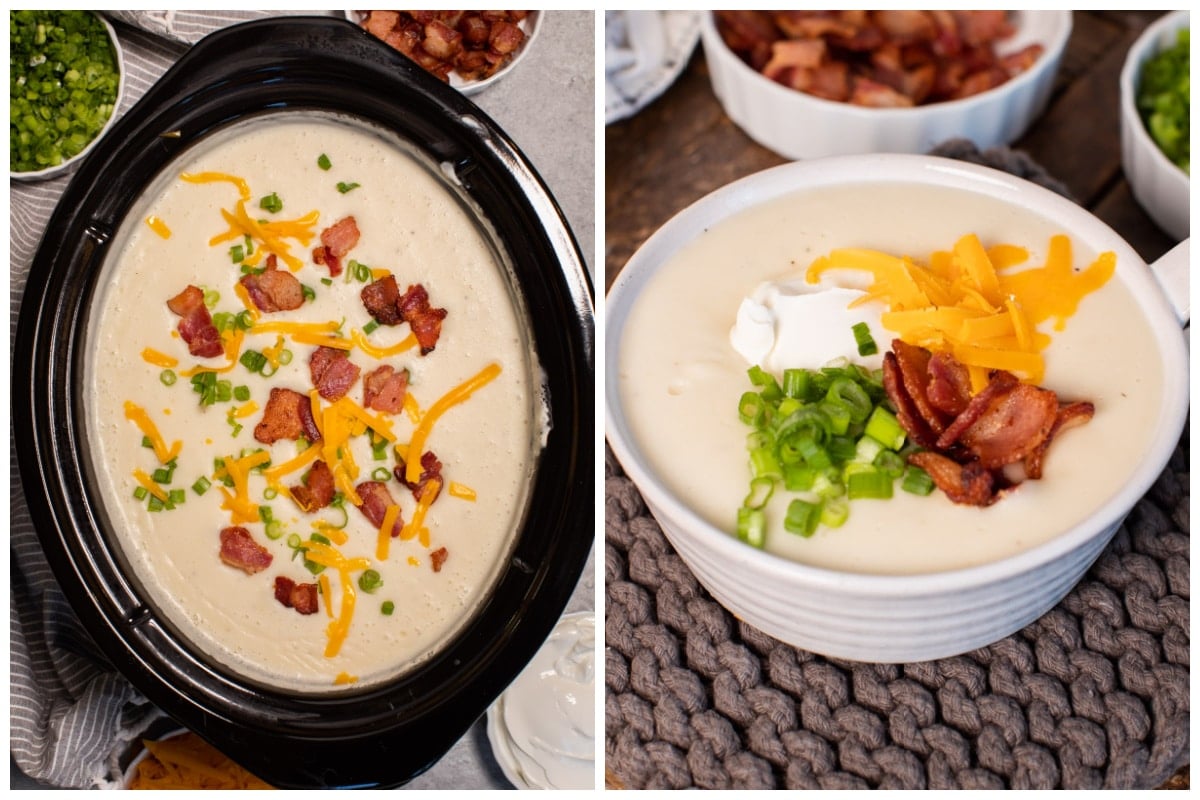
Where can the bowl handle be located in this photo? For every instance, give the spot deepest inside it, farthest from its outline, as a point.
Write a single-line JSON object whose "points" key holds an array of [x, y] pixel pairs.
{"points": [[1172, 271]]}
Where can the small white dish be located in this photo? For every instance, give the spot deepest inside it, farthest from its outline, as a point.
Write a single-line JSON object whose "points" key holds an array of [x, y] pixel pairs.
{"points": [[797, 125], [1159, 186], [143, 753], [74, 161], [523, 755], [531, 25]]}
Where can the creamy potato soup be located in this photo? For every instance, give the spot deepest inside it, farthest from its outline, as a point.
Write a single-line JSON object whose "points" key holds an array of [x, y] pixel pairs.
{"points": [[295, 432], [680, 379]]}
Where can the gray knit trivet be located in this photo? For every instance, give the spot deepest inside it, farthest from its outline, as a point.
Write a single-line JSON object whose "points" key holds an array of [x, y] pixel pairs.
{"points": [[1092, 695]]}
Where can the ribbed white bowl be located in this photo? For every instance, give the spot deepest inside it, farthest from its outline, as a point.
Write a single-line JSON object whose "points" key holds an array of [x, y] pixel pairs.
{"points": [[797, 125], [884, 618]]}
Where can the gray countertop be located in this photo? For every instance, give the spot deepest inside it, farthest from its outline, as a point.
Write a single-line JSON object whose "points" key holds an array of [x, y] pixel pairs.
{"points": [[547, 107]]}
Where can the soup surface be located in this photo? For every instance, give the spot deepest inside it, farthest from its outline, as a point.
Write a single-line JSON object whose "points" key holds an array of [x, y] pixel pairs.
{"points": [[385, 602], [680, 379]]}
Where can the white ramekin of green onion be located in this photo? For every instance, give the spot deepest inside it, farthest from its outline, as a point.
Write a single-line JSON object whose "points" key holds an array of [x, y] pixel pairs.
{"points": [[66, 82]]}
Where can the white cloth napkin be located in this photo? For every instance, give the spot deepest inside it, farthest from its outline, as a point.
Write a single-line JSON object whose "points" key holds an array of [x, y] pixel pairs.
{"points": [[644, 52]]}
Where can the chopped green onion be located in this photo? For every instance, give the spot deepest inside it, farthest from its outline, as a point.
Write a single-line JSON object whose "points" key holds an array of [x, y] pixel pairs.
{"points": [[285, 356], [265, 513], [167, 377], [176, 496], [211, 298], [869, 483], [387, 608], [270, 493], [750, 408], [917, 481], [344, 187], [798, 477], [273, 529], [224, 391], [327, 281], [835, 511], [146, 442], [864, 340], [802, 518], [241, 393], [162, 475], [370, 327], [237, 254], [271, 203], [140, 493], [883, 426], [253, 360], [761, 490], [890, 463], [244, 321], [323, 161], [307, 292], [154, 504], [294, 541], [369, 581], [201, 485], [381, 474], [752, 526]]}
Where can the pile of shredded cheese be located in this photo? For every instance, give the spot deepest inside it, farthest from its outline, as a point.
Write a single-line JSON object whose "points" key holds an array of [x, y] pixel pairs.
{"points": [[188, 762], [970, 302]]}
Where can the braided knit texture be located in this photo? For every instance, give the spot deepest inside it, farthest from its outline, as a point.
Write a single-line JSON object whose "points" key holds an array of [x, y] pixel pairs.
{"points": [[1092, 695]]}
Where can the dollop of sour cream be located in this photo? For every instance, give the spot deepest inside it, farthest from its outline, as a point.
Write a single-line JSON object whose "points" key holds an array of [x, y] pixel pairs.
{"points": [[792, 323], [542, 727]]}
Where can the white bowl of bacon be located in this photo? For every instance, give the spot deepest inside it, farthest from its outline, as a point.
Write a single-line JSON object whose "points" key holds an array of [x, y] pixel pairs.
{"points": [[1013, 521], [818, 83], [470, 50]]}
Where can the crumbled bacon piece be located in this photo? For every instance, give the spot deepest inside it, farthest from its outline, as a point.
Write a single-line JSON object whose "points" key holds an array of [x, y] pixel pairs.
{"points": [[300, 596], [336, 241], [333, 373], [274, 289], [238, 549], [288, 415], [384, 389], [196, 325], [426, 322], [317, 489], [376, 499], [431, 468], [379, 298], [1005, 423], [437, 558]]}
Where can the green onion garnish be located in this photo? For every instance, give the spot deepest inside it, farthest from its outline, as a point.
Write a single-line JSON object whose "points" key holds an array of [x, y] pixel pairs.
{"points": [[253, 360], [241, 393], [387, 608], [864, 340], [201, 485], [370, 327], [307, 292], [167, 377], [344, 187], [140, 493], [237, 254], [273, 529], [381, 474], [176, 496], [917, 481], [271, 203], [154, 504], [802, 517], [323, 161], [369, 581]]}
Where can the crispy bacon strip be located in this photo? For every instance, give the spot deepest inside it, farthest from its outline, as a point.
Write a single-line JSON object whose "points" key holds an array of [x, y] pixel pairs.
{"points": [[1070, 415], [999, 383], [949, 389], [437, 558], [906, 411], [317, 489], [376, 499], [238, 549], [384, 389], [430, 468], [1013, 426], [300, 596], [967, 484], [274, 289], [426, 322], [336, 241], [333, 373], [288, 415], [196, 325]]}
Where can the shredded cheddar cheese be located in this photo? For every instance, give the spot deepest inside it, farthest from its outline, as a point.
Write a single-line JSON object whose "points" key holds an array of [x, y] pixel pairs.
{"points": [[967, 301], [385, 532], [148, 482], [242, 509], [152, 356], [233, 347], [320, 553], [344, 678], [411, 408], [158, 226], [415, 525], [188, 762], [362, 343], [326, 597], [214, 177], [139, 417], [459, 394], [462, 492]]}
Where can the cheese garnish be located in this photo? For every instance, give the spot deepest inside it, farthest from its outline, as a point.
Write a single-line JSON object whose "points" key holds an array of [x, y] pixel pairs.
{"points": [[152, 356], [242, 508], [362, 343], [233, 347], [385, 531], [417, 523], [330, 557], [158, 226], [139, 417], [152, 487], [458, 394], [460, 491]]}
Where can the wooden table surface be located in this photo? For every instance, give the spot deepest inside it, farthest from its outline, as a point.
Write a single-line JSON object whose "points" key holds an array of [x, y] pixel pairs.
{"points": [[683, 146]]}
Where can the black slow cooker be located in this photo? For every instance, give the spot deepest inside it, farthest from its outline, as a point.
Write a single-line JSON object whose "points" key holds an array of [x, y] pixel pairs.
{"points": [[385, 734]]}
